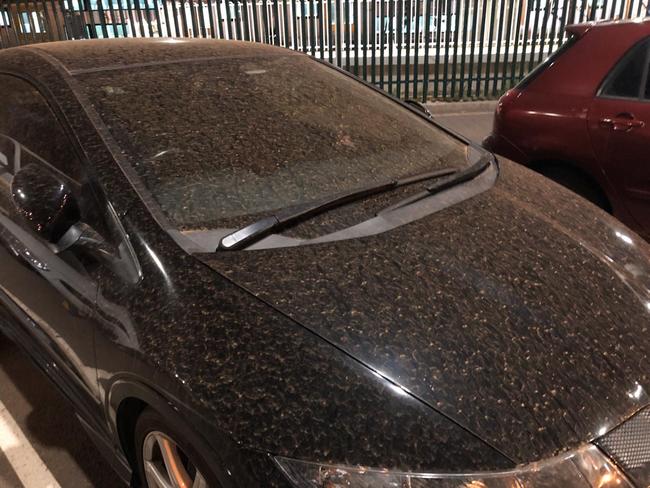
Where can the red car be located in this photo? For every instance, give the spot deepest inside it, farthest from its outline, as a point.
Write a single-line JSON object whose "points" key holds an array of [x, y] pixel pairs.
{"points": [[582, 118]]}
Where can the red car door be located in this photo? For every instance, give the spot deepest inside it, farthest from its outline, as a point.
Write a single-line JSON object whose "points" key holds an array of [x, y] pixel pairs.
{"points": [[619, 123]]}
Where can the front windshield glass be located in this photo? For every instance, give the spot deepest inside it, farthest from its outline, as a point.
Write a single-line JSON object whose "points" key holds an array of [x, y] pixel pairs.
{"points": [[220, 142]]}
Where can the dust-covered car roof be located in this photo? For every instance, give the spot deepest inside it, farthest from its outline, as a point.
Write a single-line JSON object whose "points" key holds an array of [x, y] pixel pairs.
{"points": [[102, 54]]}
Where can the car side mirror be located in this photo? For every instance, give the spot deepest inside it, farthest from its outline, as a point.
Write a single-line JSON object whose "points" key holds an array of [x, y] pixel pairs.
{"points": [[45, 202]]}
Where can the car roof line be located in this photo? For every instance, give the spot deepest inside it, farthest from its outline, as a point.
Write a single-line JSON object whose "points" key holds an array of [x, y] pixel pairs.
{"points": [[119, 67], [584, 27]]}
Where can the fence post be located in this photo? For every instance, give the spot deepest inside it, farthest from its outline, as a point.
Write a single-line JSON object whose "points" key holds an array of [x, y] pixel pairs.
{"points": [[381, 42]]}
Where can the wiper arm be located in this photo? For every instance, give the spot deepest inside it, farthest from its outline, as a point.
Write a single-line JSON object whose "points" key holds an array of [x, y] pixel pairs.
{"points": [[456, 178], [251, 233]]}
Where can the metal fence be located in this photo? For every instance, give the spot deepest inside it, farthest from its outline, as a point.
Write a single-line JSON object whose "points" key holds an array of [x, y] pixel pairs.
{"points": [[422, 49]]}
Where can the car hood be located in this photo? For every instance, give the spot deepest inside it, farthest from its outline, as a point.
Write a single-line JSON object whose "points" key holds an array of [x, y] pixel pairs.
{"points": [[522, 313]]}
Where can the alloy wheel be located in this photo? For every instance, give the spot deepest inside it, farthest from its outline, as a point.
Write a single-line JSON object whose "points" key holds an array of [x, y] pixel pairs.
{"points": [[167, 466]]}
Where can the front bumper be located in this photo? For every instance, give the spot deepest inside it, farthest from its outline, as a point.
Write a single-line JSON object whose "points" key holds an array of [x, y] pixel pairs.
{"points": [[500, 145]]}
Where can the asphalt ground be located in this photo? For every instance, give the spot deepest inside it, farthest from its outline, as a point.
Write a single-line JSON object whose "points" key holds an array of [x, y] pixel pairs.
{"points": [[42, 445], [471, 119]]}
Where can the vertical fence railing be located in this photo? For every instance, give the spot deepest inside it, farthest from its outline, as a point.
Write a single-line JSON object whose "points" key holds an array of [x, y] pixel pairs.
{"points": [[423, 49]]}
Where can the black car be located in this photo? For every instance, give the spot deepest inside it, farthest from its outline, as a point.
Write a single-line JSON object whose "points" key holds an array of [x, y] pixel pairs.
{"points": [[247, 268]]}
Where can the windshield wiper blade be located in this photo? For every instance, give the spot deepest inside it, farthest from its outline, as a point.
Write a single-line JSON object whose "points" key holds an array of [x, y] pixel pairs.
{"points": [[455, 179], [257, 230]]}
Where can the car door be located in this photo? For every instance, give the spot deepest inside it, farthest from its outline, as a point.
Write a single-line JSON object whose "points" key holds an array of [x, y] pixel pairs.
{"points": [[619, 123], [50, 290]]}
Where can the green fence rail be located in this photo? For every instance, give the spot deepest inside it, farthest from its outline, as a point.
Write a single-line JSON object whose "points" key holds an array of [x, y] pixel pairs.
{"points": [[421, 49]]}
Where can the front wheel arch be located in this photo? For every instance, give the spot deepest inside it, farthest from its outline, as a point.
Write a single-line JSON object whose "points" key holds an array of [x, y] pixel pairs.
{"points": [[171, 430], [128, 398], [126, 418]]}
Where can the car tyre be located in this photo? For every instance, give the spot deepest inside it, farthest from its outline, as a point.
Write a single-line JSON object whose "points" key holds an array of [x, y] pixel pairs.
{"points": [[166, 459]]}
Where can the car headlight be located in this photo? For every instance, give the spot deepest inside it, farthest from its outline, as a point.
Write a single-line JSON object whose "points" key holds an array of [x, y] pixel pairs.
{"points": [[586, 467]]}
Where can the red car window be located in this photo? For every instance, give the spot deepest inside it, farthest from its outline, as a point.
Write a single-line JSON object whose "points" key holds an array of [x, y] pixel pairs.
{"points": [[626, 79]]}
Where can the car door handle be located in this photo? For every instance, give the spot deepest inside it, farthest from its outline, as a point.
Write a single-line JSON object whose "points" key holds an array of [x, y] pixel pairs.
{"points": [[622, 123]]}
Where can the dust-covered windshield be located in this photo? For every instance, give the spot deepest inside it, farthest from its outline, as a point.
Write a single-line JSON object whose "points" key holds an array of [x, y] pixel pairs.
{"points": [[217, 142]]}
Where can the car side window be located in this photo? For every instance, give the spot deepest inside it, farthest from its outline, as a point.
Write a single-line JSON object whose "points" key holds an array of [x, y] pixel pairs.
{"points": [[31, 135], [626, 78], [27, 119]]}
